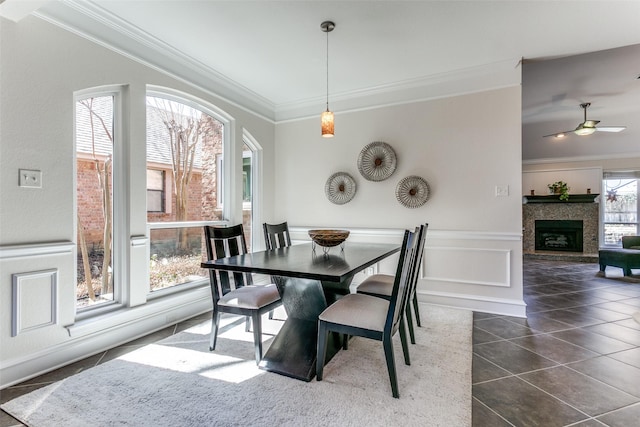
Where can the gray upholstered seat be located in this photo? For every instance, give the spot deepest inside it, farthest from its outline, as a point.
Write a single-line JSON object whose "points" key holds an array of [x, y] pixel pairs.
{"points": [[358, 311], [251, 297], [379, 284]]}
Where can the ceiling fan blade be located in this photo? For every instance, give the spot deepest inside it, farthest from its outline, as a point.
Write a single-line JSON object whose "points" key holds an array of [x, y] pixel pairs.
{"points": [[611, 128], [562, 134]]}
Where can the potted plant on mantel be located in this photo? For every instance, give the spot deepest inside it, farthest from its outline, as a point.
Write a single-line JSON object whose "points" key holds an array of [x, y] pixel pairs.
{"points": [[561, 188]]}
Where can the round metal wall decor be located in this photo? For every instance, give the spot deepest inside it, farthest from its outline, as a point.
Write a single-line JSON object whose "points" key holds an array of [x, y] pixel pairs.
{"points": [[340, 188], [377, 161], [412, 191]]}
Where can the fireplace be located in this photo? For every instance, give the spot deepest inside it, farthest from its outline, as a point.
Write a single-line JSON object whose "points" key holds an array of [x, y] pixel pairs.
{"points": [[559, 235]]}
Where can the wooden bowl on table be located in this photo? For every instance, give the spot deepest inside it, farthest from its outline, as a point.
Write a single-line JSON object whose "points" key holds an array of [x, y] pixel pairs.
{"points": [[328, 238]]}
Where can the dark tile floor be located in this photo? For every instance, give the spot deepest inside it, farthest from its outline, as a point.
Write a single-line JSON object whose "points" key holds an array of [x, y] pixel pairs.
{"points": [[575, 360]]}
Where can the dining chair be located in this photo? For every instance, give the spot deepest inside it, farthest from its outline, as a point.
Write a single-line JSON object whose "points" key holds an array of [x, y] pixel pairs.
{"points": [[245, 298], [381, 285], [276, 235], [373, 317]]}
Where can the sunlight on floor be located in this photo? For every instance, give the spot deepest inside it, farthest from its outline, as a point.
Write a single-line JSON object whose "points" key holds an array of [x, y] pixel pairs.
{"points": [[208, 364], [193, 355]]}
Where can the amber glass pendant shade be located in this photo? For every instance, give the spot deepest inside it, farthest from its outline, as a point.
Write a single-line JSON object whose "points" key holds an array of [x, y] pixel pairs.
{"points": [[327, 124]]}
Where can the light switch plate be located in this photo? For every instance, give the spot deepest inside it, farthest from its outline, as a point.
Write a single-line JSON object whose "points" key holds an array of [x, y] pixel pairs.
{"points": [[502, 190], [30, 178]]}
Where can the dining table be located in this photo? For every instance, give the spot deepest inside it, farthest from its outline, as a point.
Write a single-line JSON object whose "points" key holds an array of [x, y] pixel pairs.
{"points": [[308, 278]]}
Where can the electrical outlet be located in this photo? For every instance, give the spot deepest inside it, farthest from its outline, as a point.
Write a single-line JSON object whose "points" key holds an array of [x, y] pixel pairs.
{"points": [[502, 190], [30, 178]]}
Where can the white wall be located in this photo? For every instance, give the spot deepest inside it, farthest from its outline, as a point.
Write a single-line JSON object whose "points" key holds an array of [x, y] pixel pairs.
{"points": [[579, 180], [463, 147], [42, 66], [579, 174]]}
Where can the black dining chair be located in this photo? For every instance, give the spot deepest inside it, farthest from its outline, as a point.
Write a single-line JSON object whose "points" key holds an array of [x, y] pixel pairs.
{"points": [[381, 285], [276, 235], [373, 317], [245, 298]]}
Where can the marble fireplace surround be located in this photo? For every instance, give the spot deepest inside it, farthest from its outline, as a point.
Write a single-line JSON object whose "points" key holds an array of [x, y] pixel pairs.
{"points": [[587, 212]]}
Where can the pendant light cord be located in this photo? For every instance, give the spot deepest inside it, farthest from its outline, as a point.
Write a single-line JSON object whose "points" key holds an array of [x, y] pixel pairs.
{"points": [[327, 70]]}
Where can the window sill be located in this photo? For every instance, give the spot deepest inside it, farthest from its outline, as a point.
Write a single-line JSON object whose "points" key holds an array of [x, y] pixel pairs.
{"points": [[161, 311]]}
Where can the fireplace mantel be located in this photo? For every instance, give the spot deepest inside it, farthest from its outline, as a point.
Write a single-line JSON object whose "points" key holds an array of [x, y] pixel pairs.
{"points": [[555, 198]]}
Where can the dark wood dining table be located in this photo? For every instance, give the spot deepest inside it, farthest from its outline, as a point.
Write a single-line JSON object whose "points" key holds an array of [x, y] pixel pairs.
{"points": [[308, 280]]}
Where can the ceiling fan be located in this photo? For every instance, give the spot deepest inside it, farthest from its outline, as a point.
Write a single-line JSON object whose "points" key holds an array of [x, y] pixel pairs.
{"points": [[588, 126]]}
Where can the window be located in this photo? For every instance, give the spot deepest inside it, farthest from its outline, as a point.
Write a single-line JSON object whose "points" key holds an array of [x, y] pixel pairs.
{"points": [[184, 151], [95, 140], [246, 177], [621, 206], [155, 190]]}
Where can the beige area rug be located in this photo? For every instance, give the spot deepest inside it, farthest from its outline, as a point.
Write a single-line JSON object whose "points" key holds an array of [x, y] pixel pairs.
{"points": [[178, 382]]}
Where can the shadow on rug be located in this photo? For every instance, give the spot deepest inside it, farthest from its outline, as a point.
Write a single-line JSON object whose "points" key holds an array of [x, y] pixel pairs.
{"points": [[178, 382]]}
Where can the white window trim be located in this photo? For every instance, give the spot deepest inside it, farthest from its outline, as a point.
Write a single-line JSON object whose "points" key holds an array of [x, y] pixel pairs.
{"points": [[256, 188], [627, 174], [120, 244]]}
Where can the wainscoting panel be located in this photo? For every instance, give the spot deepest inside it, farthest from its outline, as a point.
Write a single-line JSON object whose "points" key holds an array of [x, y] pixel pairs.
{"points": [[34, 299], [477, 266]]}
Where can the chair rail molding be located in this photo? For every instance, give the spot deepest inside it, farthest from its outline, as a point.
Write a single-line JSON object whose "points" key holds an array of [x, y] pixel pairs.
{"points": [[36, 249]]}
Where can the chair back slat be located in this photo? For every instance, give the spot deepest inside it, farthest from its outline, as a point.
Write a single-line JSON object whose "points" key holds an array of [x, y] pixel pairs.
{"points": [[403, 279], [417, 263], [223, 242], [276, 235]]}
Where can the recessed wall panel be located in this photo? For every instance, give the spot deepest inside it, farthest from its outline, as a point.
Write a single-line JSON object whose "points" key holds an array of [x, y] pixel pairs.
{"points": [[477, 266], [34, 300]]}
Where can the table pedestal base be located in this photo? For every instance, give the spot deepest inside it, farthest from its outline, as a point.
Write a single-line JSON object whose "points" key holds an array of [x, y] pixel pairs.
{"points": [[293, 351]]}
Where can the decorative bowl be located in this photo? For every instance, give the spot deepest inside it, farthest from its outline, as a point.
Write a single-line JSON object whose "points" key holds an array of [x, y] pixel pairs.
{"points": [[328, 238]]}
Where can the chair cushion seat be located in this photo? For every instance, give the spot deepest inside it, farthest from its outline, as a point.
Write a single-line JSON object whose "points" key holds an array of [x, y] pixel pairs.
{"points": [[358, 310], [379, 284], [253, 296]]}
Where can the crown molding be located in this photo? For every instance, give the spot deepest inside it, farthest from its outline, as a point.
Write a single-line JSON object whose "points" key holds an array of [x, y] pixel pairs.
{"points": [[459, 82], [595, 157], [96, 24]]}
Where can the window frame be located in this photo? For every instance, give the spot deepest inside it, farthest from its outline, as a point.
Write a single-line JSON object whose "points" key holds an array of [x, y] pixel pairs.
{"points": [[227, 185], [119, 244], [607, 175]]}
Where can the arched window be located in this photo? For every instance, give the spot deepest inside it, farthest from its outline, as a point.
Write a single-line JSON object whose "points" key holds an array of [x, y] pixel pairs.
{"points": [[185, 175]]}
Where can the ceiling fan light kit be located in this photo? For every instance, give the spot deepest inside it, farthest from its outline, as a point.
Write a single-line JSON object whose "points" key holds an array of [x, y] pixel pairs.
{"points": [[587, 127], [584, 130]]}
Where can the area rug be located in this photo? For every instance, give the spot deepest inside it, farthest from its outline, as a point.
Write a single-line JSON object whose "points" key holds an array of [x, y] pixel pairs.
{"points": [[178, 382]]}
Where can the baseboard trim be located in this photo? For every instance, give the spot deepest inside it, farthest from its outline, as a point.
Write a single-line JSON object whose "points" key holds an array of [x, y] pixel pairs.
{"points": [[91, 342], [506, 307]]}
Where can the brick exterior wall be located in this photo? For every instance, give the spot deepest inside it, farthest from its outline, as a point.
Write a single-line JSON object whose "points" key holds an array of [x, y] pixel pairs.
{"points": [[202, 203], [89, 199]]}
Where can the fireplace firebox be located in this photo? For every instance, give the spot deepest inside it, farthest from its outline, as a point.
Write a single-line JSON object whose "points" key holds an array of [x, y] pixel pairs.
{"points": [[559, 235]]}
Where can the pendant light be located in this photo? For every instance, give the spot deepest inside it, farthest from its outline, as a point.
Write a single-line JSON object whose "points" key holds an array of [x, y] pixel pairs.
{"points": [[326, 119]]}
